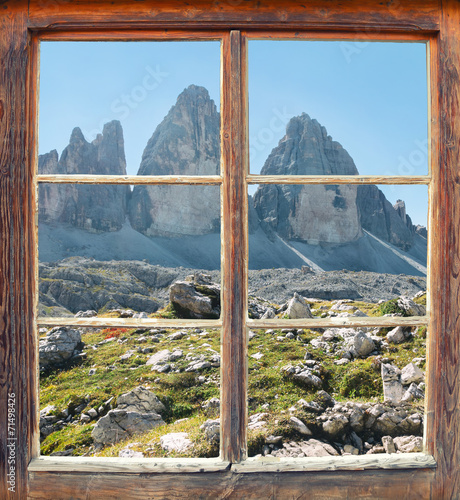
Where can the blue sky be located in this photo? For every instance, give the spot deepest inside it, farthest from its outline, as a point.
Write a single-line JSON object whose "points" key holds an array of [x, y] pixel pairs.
{"points": [[371, 97]]}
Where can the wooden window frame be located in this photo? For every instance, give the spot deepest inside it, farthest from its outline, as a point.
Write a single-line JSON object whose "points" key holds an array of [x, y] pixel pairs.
{"points": [[435, 474]]}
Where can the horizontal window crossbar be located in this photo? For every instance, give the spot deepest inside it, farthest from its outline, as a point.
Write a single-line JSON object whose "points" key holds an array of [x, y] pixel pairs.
{"points": [[129, 322], [338, 179], [349, 321], [130, 179]]}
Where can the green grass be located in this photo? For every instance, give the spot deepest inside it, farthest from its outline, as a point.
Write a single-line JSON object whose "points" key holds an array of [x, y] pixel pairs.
{"points": [[183, 395]]}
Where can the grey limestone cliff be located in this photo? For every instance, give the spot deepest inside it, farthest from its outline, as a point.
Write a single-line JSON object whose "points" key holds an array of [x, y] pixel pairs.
{"points": [[324, 214], [186, 142], [95, 208]]}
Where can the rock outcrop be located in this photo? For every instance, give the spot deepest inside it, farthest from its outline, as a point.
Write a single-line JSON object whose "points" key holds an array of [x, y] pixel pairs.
{"points": [[98, 208], [59, 346], [137, 412], [324, 214], [314, 214], [383, 220], [187, 142], [196, 297]]}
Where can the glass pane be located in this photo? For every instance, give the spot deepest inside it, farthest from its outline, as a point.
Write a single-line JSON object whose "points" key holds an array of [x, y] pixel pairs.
{"points": [[149, 250], [129, 392], [136, 108], [327, 243], [311, 394], [337, 108]]}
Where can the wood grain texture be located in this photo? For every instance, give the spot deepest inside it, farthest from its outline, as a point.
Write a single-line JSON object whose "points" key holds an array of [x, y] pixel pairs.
{"points": [[339, 322], [130, 179], [321, 464], [234, 250], [443, 398], [359, 15], [337, 179], [104, 465], [129, 322], [17, 329], [332, 485]]}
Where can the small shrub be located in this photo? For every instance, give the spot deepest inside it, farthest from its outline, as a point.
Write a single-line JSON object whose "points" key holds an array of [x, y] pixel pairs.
{"points": [[391, 307]]}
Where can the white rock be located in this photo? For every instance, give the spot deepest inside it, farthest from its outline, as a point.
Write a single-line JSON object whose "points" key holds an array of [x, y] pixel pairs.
{"points": [[412, 373], [397, 335], [141, 400], [299, 426], [409, 444], [129, 453], [392, 388], [159, 357], [411, 308], [175, 441], [298, 308]]}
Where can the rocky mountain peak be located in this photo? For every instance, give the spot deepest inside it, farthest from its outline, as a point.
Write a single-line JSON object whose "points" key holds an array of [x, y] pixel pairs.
{"points": [[186, 142], [77, 137], [94, 208], [307, 149], [315, 214]]}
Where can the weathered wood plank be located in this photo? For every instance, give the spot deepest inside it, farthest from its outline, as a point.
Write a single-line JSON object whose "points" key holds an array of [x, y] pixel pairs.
{"points": [[350, 321], [130, 179], [396, 15], [234, 250], [114, 34], [332, 485], [104, 465], [337, 179], [130, 322], [18, 377], [443, 397], [321, 464], [365, 35]]}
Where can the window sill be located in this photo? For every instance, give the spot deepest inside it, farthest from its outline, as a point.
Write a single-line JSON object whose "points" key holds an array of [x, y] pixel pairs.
{"points": [[347, 462], [104, 465]]}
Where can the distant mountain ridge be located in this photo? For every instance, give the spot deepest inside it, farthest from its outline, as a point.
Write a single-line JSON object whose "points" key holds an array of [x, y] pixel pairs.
{"points": [[289, 225]]}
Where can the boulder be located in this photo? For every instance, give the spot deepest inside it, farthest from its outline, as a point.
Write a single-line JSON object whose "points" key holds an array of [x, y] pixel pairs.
{"points": [[141, 400], [360, 345], [388, 444], [121, 424], [392, 388], [298, 308], [310, 448], [410, 307], [60, 344], [129, 453], [397, 335], [211, 429], [299, 426], [409, 444], [196, 298], [412, 373], [86, 314], [335, 426], [160, 357]]}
